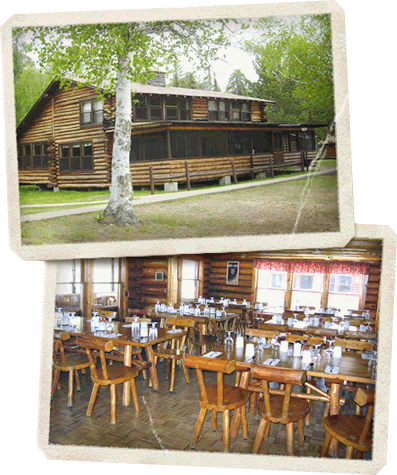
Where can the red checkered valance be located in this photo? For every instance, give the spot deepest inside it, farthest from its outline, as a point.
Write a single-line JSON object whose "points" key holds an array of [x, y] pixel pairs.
{"points": [[312, 267]]}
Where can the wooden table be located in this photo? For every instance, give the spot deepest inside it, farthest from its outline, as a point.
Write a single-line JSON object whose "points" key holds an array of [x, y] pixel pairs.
{"points": [[352, 367], [128, 342]]}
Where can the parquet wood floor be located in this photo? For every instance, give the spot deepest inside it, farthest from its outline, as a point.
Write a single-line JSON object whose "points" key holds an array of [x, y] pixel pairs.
{"points": [[167, 420]]}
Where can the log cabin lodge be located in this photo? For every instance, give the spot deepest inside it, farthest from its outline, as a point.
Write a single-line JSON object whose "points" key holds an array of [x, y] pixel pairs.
{"points": [[150, 320], [65, 141]]}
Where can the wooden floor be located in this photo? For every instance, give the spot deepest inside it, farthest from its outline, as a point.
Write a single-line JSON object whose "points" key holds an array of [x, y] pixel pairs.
{"points": [[166, 420]]}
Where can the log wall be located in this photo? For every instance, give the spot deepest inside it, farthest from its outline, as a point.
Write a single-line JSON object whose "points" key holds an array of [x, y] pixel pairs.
{"points": [[143, 290], [59, 123]]}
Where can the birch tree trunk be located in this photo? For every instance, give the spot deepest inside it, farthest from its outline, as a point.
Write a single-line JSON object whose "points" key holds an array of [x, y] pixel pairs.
{"points": [[119, 209]]}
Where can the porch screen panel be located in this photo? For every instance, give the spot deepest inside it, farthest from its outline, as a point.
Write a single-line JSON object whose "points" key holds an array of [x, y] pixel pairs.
{"points": [[178, 145], [155, 146]]}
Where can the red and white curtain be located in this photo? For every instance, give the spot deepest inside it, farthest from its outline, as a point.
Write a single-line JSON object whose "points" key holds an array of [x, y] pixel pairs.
{"points": [[312, 267]]}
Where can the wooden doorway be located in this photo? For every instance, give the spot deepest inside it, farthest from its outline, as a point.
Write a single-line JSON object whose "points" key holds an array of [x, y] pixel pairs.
{"points": [[278, 152]]}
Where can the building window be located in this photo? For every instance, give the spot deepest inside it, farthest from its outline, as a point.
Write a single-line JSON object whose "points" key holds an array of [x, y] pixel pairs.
{"points": [[69, 288], [222, 111], [213, 110], [141, 108], [339, 285], [33, 156], [306, 290], [156, 108], [245, 112], [91, 112], [236, 112], [184, 106], [272, 287], [345, 291], [76, 157], [190, 279], [171, 108], [105, 283]]}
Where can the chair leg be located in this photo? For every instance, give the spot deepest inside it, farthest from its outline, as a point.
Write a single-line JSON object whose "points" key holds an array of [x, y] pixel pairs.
{"points": [[244, 426], [70, 388], [185, 371], [113, 403], [359, 455], [327, 443], [214, 420], [349, 452], [172, 383], [326, 409], [57, 374], [259, 435], [92, 399], [226, 431], [144, 374], [290, 438], [197, 429], [134, 395], [238, 378], [301, 434], [76, 377], [253, 403]]}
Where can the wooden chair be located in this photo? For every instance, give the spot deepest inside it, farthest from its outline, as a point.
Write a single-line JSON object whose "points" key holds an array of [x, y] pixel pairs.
{"points": [[280, 409], [199, 338], [353, 345], [177, 351], [117, 354], [259, 333], [68, 362], [357, 347], [218, 397], [352, 430], [107, 375], [272, 327]]}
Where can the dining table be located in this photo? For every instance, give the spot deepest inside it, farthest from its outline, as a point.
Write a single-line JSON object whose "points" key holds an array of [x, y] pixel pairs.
{"points": [[351, 367], [121, 335]]}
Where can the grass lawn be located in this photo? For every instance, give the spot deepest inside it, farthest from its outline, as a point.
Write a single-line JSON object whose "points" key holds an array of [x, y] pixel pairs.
{"points": [[32, 195], [255, 211]]}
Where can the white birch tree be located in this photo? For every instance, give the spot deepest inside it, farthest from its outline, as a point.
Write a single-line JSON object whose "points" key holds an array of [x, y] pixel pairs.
{"points": [[110, 57]]}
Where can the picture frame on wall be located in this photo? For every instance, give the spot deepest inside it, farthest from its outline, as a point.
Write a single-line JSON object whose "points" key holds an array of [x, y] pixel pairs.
{"points": [[159, 275], [232, 273]]}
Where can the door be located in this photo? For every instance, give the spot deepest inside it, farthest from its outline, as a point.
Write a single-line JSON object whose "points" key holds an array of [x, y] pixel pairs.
{"points": [[278, 152]]}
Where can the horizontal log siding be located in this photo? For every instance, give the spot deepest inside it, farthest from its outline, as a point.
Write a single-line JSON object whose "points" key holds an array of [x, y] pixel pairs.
{"points": [[39, 131], [67, 130], [258, 112], [143, 290], [217, 286], [141, 177], [199, 108]]}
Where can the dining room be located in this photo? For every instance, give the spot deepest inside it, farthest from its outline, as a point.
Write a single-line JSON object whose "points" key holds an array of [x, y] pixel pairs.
{"points": [[282, 343]]}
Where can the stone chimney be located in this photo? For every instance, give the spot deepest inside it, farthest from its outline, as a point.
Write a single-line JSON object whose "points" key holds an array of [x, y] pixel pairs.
{"points": [[157, 80]]}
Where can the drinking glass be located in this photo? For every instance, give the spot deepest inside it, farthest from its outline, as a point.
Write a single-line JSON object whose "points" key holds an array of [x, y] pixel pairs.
{"points": [[229, 340]]}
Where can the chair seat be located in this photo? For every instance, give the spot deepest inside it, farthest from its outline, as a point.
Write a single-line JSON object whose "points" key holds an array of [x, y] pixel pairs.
{"points": [[116, 375], [233, 397], [346, 428], [73, 361], [298, 409]]}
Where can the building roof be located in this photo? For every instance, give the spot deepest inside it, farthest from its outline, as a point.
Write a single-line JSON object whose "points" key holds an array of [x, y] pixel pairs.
{"points": [[181, 91]]}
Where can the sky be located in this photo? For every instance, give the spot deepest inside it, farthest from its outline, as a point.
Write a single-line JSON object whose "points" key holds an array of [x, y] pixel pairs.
{"points": [[231, 58]]}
